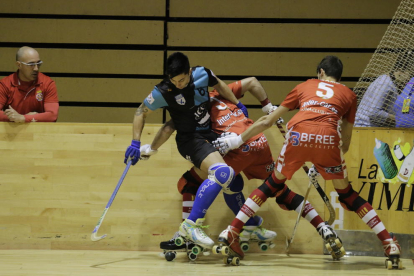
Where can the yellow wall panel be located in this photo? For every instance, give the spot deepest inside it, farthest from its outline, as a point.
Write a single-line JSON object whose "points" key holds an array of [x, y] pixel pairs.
{"points": [[275, 35], [274, 64], [91, 61], [104, 89], [81, 31], [86, 7], [368, 9], [75, 114]]}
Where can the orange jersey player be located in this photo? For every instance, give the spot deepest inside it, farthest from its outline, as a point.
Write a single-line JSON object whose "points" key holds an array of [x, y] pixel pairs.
{"points": [[319, 133]]}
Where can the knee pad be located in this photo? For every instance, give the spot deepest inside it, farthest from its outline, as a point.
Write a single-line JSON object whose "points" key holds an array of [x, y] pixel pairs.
{"points": [[236, 186], [221, 174], [289, 200], [351, 200], [271, 189], [188, 184]]}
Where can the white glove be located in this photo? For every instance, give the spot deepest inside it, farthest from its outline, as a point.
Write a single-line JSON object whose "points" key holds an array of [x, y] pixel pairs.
{"points": [[227, 142], [269, 108], [146, 152]]}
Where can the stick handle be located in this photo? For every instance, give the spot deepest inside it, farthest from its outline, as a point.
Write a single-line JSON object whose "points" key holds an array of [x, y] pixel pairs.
{"points": [[94, 236]]}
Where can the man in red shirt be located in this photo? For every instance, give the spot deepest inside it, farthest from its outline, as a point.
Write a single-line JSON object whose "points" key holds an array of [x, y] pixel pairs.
{"points": [[319, 133], [28, 95]]}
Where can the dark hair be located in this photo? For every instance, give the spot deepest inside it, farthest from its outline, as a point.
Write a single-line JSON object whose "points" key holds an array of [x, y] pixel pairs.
{"points": [[177, 63], [332, 66]]}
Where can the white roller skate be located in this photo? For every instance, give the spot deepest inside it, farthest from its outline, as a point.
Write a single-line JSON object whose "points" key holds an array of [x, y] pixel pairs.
{"points": [[392, 250], [257, 234], [192, 233], [332, 242]]}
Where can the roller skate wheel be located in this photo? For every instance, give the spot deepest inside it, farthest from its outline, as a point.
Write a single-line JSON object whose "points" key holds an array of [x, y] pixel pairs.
{"points": [[179, 241], [342, 251], [328, 247], [192, 257], [263, 246], [170, 256], [245, 246], [226, 261], [400, 266], [388, 264], [216, 249], [338, 242], [235, 261], [196, 250]]}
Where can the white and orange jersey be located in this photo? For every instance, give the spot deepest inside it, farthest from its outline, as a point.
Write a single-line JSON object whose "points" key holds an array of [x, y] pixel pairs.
{"points": [[321, 101], [226, 116]]}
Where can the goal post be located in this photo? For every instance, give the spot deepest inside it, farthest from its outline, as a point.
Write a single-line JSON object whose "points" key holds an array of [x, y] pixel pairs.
{"points": [[386, 86]]}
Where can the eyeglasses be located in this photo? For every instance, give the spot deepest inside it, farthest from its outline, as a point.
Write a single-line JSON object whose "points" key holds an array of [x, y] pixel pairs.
{"points": [[32, 64]]}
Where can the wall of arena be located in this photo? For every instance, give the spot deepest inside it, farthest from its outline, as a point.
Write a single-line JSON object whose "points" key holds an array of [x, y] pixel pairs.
{"points": [[56, 179]]}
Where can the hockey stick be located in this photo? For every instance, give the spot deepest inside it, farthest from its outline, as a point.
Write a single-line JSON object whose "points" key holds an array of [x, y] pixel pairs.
{"points": [[316, 184], [94, 235], [289, 241]]}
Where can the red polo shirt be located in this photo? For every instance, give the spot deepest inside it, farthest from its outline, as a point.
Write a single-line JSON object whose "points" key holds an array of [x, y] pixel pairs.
{"points": [[40, 97]]}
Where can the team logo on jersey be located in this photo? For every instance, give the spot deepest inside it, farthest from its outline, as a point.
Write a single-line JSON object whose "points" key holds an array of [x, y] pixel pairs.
{"points": [[202, 117], [39, 95], [180, 99], [150, 98], [221, 105]]}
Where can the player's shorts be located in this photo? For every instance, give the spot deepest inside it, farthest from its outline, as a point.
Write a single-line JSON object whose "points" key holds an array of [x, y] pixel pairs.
{"points": [[195, 147], [314, 142], [254, 159]]}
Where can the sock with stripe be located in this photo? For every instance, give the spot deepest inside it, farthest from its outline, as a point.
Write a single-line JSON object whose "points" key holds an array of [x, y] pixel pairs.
{"points": [[289, 200], [259, 196], [364, 210]]}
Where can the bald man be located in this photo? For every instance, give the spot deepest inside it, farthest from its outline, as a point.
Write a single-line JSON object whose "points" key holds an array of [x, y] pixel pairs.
{"points": [[28, 95]]}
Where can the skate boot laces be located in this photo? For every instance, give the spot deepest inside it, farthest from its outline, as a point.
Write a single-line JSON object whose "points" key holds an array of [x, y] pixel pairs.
{"points": [[327, 232], [199, 230], [231, 235], [391, 247]]}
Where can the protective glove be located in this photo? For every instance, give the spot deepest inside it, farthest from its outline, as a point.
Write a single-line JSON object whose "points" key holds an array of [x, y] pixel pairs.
{"points": [[133, 152], [243, 108], [147, 151], [227, 142], [269, 108]]}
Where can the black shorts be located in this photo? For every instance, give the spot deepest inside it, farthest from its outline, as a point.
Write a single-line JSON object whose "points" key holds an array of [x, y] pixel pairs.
{"points": [[195, 147]]}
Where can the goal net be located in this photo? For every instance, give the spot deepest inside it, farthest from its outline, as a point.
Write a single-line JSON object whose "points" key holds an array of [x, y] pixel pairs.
{"points": [[386, 86]]}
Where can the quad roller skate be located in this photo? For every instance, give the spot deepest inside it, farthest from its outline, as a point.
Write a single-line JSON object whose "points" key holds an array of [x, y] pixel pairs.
{"points": [[332, 242], [170, 249], [257, 234], [392, 250], [191, 239], [229, 246]]}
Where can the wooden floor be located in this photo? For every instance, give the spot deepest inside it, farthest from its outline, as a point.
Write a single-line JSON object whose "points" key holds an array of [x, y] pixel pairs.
{"points": [[125, 263]]}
